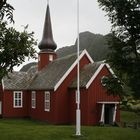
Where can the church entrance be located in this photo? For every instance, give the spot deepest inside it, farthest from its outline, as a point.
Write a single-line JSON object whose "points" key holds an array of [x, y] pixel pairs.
{"points": [[108, 114]]}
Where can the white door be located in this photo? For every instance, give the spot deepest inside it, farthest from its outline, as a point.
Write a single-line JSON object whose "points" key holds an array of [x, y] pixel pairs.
{"points": [[0, 108]]}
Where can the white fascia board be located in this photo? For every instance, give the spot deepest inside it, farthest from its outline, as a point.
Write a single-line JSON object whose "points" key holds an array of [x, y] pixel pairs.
{"points": [[84, 52], [109, 68], [89, 57], [97, 72], [94, 75]]}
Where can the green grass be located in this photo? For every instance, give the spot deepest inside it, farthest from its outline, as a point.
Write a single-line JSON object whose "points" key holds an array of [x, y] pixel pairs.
{"points": [[18, 129], [127, 116]]}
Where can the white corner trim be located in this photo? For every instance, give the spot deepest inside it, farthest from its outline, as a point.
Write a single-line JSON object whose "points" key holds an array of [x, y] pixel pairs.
{"points": [[94, 75], [84, 52], [3, 85]]}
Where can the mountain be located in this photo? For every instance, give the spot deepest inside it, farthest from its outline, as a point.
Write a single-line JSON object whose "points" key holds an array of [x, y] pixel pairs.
{"points": [[95, 44], [26, 67]]}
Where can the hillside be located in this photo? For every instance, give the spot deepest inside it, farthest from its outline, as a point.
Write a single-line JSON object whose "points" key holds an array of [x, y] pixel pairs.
{"points": [[95, 44]]}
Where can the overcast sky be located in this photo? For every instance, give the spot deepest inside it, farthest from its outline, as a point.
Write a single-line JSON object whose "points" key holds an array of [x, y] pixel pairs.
{"points": [[63, 16]]}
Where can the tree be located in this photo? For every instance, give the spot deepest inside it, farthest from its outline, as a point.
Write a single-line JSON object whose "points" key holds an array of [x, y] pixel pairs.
{"points": [[15, 46], [6, 10], [124, 57]]}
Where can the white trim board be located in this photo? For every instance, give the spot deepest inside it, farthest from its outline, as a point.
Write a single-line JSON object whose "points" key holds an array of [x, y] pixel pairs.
{"points": [[3, 84], [109, 68], [98, 71], [105, 102], [84, 52], [94, 75]]}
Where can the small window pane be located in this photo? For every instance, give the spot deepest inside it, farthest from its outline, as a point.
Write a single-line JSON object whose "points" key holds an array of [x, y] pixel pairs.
{"points": [[17, 99], [33, 99], [50, 57], [47, 101]]}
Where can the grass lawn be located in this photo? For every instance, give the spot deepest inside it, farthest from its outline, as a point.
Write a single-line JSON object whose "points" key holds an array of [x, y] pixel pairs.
{"points": [[14, 129], [127, 116]]}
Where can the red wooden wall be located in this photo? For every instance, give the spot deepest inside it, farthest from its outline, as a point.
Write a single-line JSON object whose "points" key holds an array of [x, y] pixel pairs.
{"points": [[98, 93], [63, 96], [7, 105], [39, 113], [63, 104]]}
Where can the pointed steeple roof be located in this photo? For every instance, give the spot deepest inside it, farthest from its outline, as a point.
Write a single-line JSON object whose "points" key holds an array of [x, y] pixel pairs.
{"points": [[47, 42]]}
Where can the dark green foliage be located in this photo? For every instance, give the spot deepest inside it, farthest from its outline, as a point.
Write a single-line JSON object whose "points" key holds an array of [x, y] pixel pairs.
{"points": [[6, 10], [124, 57], [14, 47], [113, 85]]}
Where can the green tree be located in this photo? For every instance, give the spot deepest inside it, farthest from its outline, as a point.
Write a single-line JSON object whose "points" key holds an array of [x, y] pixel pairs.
{"points": [[124, 16], [6, 10], [15, 46]]}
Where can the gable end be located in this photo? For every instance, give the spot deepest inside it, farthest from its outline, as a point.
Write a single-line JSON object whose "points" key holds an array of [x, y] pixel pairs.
{"points": [[97, 72], [72, 67]]}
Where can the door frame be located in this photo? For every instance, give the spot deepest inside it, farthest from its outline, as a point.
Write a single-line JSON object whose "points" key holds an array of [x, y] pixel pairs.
{"points": [[0, 107], [102, 115]]}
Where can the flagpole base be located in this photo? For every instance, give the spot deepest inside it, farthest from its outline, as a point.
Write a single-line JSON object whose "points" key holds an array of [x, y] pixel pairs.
{"points": [[78, 121]]}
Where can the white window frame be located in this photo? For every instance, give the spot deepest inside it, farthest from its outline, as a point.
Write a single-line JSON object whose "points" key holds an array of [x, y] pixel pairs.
{"points": [[47, 101], [50, 57], [18, 99], [33, 99]]}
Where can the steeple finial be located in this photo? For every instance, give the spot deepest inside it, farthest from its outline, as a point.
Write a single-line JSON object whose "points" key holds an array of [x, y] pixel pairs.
{"points": [[47, 42]]}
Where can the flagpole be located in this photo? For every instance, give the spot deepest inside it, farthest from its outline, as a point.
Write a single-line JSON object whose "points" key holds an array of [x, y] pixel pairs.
{"points": [[78, 112]]}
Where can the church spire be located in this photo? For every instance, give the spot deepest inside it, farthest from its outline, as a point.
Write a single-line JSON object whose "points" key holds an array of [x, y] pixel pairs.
{"points": [[47, 42]]}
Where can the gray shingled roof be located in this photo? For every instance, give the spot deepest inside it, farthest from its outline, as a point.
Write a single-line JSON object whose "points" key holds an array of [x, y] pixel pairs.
{"points": [[19, 80], [48, 77], [85, 74]]}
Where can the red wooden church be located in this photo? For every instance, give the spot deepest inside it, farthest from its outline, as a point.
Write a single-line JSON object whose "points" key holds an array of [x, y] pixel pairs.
{"points": [[47, 91]]}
